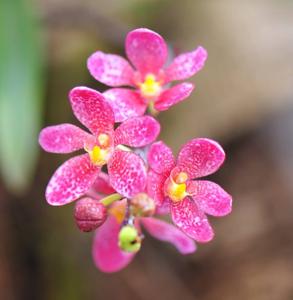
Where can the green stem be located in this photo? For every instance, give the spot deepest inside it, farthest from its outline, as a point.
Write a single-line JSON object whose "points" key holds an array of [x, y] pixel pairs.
{"points": [[111, 198], [152, 109]]}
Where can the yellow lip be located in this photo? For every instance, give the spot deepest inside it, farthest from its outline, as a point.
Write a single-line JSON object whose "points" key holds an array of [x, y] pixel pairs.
{"points": [[150, 88], [98, 156], [176, 188]]}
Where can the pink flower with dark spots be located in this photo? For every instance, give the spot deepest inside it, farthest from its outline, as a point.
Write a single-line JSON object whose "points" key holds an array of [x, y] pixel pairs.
{"points": [[107, 254], [148, 76], [175, 184], [75, 177]]}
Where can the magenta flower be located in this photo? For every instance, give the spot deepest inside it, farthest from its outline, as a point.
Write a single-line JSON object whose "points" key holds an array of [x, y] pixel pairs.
{"points": [[189, 200], [120, 200], [107, 254], [75, 177], [147, 51]]}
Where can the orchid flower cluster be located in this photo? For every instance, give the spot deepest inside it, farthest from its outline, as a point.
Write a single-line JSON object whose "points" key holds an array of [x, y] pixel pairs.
{"points": [[125, 181]]}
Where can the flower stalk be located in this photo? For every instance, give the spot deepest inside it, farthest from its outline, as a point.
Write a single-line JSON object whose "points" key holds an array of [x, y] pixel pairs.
{"points": [[111, 199]]}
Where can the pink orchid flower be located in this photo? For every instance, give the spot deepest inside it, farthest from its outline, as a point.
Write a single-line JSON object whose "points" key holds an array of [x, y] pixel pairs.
{"points": [[75, 177], [147, 51], [108, 256], [189, 200]]}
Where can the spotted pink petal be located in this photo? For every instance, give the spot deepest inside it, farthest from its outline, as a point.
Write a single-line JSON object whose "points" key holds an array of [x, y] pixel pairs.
{"points": [[127, 173], [161, 158], [125, 103], [137, 132], [71, 180], [200, 157], [174, 95], [210, 197], [102, 184], [191, 220], [110, 69], [146, 50], [106, 253], [63, 138], [164, 208], [91, 109], [186, 65], [169, 233], [155, 185]]}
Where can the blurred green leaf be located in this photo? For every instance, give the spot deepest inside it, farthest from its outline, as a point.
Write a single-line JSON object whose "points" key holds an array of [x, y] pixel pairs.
{"points": [[21, 86]]}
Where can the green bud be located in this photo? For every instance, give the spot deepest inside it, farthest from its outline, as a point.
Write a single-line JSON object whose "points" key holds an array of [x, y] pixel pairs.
{"points": [[129, 239]]}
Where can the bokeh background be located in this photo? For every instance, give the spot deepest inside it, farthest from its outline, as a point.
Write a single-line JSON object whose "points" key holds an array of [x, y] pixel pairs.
{"points": [[243, 99]]}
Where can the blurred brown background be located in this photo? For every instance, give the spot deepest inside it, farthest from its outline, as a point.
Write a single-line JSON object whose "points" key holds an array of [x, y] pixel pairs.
{"points": [[243, 99]]}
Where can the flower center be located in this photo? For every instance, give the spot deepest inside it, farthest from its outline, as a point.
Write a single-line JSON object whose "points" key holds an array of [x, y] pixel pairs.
{"points": [[176, 187], [150, 88], [99, 154], [104, 140]]}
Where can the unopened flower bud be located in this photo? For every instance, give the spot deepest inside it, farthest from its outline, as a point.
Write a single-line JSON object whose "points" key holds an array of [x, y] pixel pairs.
{"points": [[89, 214], [141, 205], [129, 239]]}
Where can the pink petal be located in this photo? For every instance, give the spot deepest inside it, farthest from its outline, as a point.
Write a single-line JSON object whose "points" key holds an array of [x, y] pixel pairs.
{"points": [[155, 185], [137, 132], [146, 50], [174, 95], [106, 253], [164, 208], [93, 194], [63, 138], [201, 157], [127, 173], [102, 184], [71, 180], [169, 233], [186, 64], [125, 103], [210, 197], [191, 220], [110, 69], [160, 157], [91, 109]]}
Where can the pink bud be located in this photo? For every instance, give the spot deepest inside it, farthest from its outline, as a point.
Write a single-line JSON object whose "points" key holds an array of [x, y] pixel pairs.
{"points": [[89, 214]]}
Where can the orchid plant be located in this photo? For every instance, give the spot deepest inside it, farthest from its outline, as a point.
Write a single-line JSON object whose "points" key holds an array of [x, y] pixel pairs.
{"points": [[126, 180]]}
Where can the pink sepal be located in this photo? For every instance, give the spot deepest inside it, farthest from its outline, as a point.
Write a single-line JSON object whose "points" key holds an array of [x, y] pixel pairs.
{"points": [[191, 220], [174, 95], [125, 103], [210, 197], [92, 110], [200, 157], [127, 173], [110, 69], [146, 50], [137, 132], [168, 233], [71, 180], [186, 64], [63, 138], [106, 253]]}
